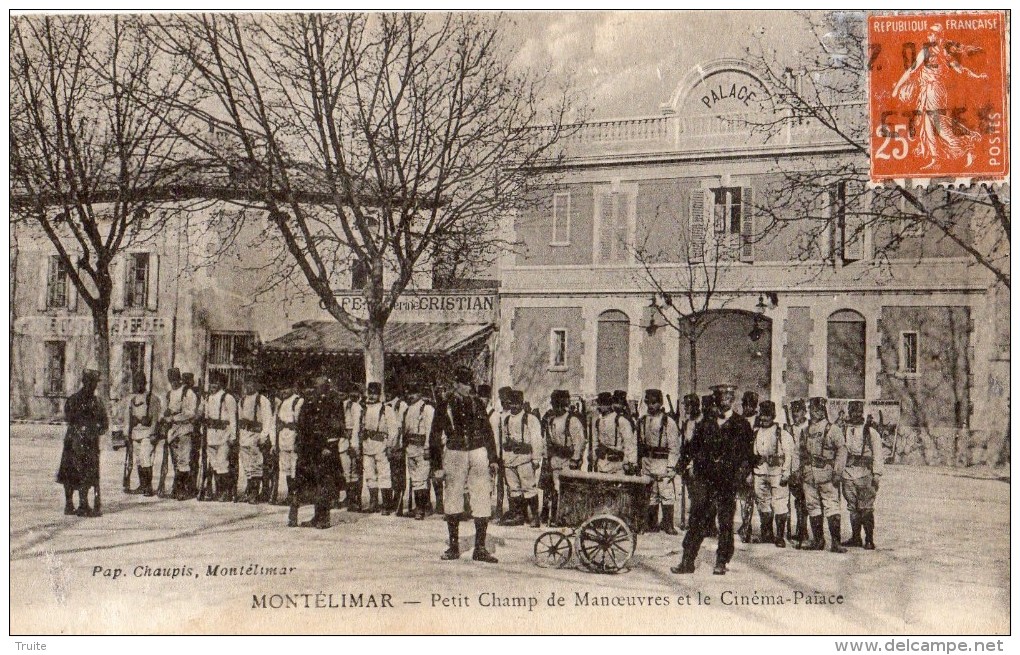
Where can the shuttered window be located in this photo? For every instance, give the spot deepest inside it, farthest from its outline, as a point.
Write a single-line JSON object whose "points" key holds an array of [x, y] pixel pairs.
{"points": [[730, 213], [615, 214], [56, 283], [561, 219], [53, 368], [136, 280]]}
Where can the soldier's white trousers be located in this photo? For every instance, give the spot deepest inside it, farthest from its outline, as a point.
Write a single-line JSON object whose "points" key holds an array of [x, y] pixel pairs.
{"points": [[769, 495], [606, 466], [142, 448], [218, 457], [859, 494], [467, 471], [288, 465], [521, 480], [663, 490], [376, 466], [821, 497], [250, 461], [417, 468]]}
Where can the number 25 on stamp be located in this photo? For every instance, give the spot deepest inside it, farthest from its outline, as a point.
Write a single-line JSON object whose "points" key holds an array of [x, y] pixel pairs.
{"points": [[937, 96]]}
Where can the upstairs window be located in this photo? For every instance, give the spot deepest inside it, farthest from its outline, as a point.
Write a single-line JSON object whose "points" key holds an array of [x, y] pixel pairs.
{"points": [[56, 283], [560, 219], [359, 274], [726, 210], [136, 288], [722, 224], [615, 215], [53, 371]]}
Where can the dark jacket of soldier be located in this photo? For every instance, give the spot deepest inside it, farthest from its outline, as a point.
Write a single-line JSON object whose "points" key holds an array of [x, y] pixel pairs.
{"points": [[86, 421], [319, 426], [721, 454], [470, 428]]}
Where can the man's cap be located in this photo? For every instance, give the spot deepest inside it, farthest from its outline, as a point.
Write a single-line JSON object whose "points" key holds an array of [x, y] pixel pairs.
{"points": [[173, 373], [855, 407], [188, 378], [412, 386], [708, 401], [373, 388], [767, 408], [560, 397], [620, 397], [723, 388], [750, 398], [504, 393], [692, 399], [653, 396], [463, 375], [818, 402], [797, 406], [516, 397], [604, 398], [90, 374], [218, 377], [484, 390]]}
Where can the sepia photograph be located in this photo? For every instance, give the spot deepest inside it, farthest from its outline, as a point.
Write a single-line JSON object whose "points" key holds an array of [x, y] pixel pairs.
{"points": [[510, 323]]}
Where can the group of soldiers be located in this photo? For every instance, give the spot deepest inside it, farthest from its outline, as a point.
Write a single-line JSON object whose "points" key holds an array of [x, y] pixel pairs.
{"points": [[336, 447]]}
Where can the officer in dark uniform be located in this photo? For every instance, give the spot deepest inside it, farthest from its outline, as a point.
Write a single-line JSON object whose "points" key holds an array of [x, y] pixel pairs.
{"points": [[715, 463], [319, 426]]}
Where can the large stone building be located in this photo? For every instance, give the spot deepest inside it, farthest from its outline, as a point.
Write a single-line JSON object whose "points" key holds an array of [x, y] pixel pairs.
{"points": [[636, 210]]}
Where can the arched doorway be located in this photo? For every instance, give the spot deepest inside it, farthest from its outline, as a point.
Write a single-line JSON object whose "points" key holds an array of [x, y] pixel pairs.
{"points": [[612, 356], [846, 349], [726, 353]]}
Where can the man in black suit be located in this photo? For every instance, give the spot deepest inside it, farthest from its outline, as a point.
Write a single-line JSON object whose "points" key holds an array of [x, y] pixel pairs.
{"points": [[714, 463], [320, 423]]}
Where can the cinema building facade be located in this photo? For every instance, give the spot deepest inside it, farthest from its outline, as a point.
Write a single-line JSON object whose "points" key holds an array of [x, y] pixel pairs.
{"points": [[923, 336]]}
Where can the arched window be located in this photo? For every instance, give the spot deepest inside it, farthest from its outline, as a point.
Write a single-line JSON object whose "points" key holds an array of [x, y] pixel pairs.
{"points": [[612, 357], [846, 355]]}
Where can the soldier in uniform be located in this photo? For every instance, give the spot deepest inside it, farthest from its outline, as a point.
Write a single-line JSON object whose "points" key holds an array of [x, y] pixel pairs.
{"points": [[773, 465], [564, 448], [377, 436], [615, 438], [692, 415], [287, 413], [180, 414], [255, 425], [398, 460], [822, 457], [417, 432], [220, 417], [660, 452], [798, 414], [523, 450], [716, 462], [464, 452], [864, 467], [143, 412], [79, 461], [188, 380], [320, 423], [749, 410], [350, 447]]}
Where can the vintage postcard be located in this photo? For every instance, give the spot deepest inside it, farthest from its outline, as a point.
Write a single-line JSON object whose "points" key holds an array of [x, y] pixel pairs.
{"points": [[528, 323]]}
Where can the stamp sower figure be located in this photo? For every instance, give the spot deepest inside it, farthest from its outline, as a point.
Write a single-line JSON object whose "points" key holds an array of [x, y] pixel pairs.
{"points": [[564, 448], [143, 415], [798, 415], [660, 452], [718, 460], [773, 465], [377, 435], [220, 417], [320, 422], [615, 438], [286, 434], [181, 411], [864, 466], [523, 450], [79, 461], [466, 462], [255, 429], [417, 433], [822, 458]]}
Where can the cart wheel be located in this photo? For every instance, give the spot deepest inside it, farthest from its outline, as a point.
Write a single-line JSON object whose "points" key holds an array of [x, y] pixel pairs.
{"points": [[605, 544], [552, 550]]}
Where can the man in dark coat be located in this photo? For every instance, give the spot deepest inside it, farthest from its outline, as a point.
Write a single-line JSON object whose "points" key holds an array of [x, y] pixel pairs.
{"points": [[79, 462], [319, 426], [715, 463], [464, 452]]}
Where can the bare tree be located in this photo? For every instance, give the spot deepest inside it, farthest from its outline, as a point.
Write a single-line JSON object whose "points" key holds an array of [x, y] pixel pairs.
{"points": [[413, 125], [88, 142], [827, 201], [687, 274]]}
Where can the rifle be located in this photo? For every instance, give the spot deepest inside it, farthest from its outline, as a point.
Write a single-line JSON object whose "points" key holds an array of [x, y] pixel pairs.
{"points": [[129, 452], [497, 512], [165, 433], [203, 467]]}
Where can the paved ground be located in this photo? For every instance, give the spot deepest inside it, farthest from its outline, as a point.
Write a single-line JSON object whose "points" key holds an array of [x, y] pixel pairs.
{"points": [[942, 567]]}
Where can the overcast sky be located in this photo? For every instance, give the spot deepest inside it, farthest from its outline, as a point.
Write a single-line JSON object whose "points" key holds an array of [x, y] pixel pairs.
{"points": [[628, 63]]}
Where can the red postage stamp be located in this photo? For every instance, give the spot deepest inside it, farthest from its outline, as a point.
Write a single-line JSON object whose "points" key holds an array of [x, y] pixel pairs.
{"points": [[937, 93]]}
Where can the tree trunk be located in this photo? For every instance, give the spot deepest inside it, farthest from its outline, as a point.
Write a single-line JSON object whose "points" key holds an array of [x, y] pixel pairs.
{"points": [[375, 354], [692, 345], [101, 326]]}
